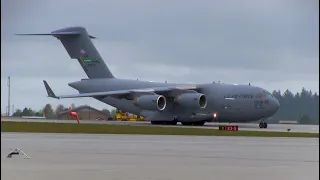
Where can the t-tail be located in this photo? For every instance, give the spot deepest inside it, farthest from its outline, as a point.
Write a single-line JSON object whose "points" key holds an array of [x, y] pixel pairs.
{"points": [[78, 44]]}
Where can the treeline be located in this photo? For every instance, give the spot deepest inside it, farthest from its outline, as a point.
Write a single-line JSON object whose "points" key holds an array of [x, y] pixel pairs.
{"points": [[302, 106], [47, 111]]}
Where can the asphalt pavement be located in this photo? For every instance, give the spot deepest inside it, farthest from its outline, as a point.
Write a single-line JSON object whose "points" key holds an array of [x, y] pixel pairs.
{"points": [[144, 157]]}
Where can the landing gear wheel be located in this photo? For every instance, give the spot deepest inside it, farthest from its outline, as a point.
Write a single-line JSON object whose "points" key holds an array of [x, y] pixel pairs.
{"points": [[164, 122], [263, 125], [200, 123], [186, 123], [157, 122], [174, 122]]}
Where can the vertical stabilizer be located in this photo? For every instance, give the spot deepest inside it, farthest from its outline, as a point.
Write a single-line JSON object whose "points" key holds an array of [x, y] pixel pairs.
{"points": [[78, 44]]}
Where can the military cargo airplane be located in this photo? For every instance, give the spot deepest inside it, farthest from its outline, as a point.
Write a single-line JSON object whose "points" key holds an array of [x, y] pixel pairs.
{"points": [[161, 103]]}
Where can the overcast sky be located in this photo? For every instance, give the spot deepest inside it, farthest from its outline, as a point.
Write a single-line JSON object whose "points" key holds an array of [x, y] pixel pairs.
{"points": [[273, 44]]}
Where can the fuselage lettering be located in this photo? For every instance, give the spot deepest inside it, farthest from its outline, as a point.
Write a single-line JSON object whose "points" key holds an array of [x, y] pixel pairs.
{"points": [[246, 96]]}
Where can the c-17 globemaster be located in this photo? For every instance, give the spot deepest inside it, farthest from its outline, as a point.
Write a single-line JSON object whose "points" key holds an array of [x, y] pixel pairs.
{"points": [[161, 103]]}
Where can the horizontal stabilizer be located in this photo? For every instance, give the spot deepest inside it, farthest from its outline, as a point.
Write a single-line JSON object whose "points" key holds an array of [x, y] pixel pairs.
{"points": [[56, 34]]}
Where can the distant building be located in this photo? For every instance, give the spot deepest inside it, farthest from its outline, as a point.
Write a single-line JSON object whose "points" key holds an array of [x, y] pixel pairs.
{"points": [[85, 113], [288, 122], [277, 121]]}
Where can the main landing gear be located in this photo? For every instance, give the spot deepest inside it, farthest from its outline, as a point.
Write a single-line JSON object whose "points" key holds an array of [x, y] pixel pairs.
{"points": [[198, 123], [263, 124], [164, 122], [175, 121]]}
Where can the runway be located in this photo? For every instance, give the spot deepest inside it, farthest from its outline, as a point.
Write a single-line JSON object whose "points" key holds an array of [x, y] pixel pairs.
{"points": [[142, 157], [242, 126]]}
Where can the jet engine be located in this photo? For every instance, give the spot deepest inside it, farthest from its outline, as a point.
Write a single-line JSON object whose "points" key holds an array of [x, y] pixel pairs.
{"points": [[191, 100], [151, 102]]}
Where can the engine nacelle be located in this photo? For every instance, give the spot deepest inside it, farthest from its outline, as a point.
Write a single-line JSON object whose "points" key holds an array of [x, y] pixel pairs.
{"points": [[191, 100], [151, 102]]}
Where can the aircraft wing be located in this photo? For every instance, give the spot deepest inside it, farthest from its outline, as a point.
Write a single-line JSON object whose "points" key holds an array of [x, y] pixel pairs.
{"points": [[124, 93]]}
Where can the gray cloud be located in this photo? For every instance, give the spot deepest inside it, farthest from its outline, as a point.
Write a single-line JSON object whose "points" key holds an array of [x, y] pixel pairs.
{"points": [[270, 43]]}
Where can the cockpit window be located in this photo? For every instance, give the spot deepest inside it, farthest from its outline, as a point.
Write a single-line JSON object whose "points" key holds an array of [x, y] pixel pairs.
{"points": [[260, 95], [263, 94], [268, 93]]}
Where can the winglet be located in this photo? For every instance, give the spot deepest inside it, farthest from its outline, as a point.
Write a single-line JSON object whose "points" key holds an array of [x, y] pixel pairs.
{"points": [[49, 90]]}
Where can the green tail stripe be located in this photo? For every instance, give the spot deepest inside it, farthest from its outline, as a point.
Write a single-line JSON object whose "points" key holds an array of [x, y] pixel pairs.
{"points": [[88, 59]]}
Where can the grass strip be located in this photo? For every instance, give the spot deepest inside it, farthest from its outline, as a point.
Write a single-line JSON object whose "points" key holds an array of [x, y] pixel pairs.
{"points": [[45, 127]]}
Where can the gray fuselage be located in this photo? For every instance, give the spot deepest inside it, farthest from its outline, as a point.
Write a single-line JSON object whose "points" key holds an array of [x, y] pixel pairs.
{"points": [[231, 103]]}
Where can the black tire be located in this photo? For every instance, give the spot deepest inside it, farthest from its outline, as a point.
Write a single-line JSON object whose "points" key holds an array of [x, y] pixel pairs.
{"points": [[174, 122], [261, 125], [186, 123], [156, 122], [265, 125], [200, 123]]}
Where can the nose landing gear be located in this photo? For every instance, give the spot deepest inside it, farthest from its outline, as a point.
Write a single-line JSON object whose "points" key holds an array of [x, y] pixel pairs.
{"points": [[263, 124]]}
